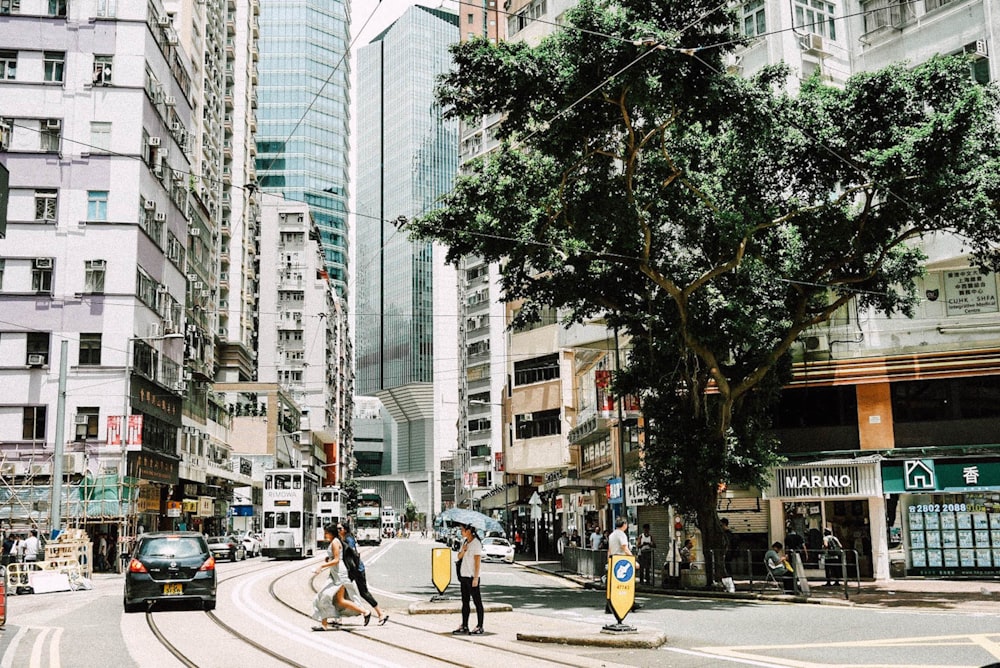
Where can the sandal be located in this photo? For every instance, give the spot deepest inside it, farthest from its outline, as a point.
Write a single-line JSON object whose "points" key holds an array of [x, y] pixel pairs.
{"points": [[461, 631], [321, 628], [383, 620], [478, 631], [368, 618]]}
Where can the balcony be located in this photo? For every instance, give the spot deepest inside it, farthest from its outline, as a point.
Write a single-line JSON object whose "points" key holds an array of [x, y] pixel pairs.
{"points": [[230, 48], [588, 430]]}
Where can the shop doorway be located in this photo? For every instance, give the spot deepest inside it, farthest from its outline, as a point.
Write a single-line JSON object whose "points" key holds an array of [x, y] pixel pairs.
{"points": [[850, 522]]}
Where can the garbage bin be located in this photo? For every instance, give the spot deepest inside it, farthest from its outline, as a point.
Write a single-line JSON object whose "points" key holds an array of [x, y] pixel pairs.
{"points": [[897, 569]]}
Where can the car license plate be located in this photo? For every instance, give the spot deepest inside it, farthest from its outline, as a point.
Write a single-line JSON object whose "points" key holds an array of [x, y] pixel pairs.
{"points": [[174, 589]]}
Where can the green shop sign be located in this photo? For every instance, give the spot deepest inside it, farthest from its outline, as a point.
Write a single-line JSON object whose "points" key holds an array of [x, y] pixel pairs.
{"points": [[929, 476]]}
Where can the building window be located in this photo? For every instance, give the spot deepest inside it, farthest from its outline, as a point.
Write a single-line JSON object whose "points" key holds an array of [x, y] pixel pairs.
{"points": [[107, 8], [86, 421], [37, 349], [754, 20], [34, 423], [537, 424], [979, 62], [471, 19], [55, 63], [94, 279], [45, 204], [536, 370], [102, 70], [49, 135], [97, 205], [41, 275], [935, 4], [90, 349], [888, 13], [100, 137], [57, 8], [9, 7], [8, 65], [816, 16]]}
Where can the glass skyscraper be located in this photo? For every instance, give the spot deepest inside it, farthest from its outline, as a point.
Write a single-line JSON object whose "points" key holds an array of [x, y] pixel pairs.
{"points": [[407, 158], [304, 113]]}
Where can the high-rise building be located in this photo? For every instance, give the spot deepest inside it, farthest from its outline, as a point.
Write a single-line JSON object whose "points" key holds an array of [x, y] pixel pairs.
{"points": [[406, 298], [112, 126], [303, 115]]}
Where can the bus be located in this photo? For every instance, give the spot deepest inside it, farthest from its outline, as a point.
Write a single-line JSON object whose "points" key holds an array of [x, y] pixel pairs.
{"points": [[390, 522], [368, 524], [329, 512], [289, 513]]}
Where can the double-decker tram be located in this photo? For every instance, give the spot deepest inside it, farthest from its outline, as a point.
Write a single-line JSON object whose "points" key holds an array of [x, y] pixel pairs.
{"points": [[289, 513], [328, 513], [368, 523]]}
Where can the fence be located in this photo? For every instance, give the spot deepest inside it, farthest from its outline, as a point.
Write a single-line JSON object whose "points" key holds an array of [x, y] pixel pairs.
{"points": [[746, 567]]}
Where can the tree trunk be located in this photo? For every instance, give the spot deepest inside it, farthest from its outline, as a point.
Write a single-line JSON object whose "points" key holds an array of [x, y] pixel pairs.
{"points": [[713, 537]]}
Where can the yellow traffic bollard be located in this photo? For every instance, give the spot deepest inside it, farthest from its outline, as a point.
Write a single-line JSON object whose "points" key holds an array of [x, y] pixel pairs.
{"points": [[621, 590]]}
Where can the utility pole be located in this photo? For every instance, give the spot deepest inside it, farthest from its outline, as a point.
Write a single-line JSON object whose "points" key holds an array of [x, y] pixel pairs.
{"points": [[55, 505], [621, 430]]}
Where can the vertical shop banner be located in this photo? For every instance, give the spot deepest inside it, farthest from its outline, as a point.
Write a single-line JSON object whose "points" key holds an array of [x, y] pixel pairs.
{"points": [[132, 436]]}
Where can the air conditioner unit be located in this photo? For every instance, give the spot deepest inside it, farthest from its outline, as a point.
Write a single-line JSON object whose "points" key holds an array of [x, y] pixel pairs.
{"points": [[176, 127], [813, 43], [528, 417], [180, 386], [170, 100], [43, 263], [817, 343], [192, 278], [171, 38], [160, 216], [204, 294], [39, 469], [148, 205], [98, 264], [168, 327], [153, 141], [53, 123], [10, 469], [198, 285], [194, 232], [81, 419], [163, 20], [980, 50], [73, 462]]}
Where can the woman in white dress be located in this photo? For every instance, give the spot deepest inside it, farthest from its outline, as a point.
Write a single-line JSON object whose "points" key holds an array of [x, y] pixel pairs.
{"points": [[336, 599]]}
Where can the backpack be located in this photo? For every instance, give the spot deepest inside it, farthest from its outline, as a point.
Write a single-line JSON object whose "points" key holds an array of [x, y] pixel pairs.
{"points": [[352, 559]]}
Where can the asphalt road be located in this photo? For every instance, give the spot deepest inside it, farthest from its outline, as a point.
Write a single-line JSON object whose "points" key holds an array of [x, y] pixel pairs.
{"points": [[88, 628]]}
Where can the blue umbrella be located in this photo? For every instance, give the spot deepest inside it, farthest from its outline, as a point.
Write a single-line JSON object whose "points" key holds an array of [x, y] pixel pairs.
{"points": [[481, 523]]}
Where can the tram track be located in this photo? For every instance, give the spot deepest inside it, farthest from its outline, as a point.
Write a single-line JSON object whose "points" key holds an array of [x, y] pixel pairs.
{"points": [[408, 647]]}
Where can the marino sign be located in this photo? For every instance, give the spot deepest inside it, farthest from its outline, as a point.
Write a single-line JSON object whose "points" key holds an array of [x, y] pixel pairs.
{"points": [[811, 481]]}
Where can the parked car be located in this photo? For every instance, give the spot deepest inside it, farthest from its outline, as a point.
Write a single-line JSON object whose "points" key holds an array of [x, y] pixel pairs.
{"points": [[498, 549], [228, 547], [251, 544], [170, 566]]}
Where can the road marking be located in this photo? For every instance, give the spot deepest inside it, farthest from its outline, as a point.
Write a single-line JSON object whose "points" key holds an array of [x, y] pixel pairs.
{"points": [[8, 656], [988, 642], [54, 648], [36, 649], [749, 662]]}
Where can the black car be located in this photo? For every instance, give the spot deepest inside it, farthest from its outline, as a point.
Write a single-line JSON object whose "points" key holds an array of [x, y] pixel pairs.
{"points": [[175, 566]]}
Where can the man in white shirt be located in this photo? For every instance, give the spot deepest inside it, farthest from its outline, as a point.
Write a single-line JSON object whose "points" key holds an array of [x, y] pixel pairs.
{"points": [[31, 547], [618, 541], [595, 538]]}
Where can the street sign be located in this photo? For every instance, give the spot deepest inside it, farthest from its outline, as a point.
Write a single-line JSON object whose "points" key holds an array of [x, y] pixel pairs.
{"points": [[536, 506], [441, 568], [621, 585]]}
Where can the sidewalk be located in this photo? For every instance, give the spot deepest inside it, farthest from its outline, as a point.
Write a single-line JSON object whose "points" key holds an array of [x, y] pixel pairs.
{"points": [[966, 595]]}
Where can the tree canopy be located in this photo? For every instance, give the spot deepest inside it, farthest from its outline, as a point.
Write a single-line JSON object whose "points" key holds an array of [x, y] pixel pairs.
{"points": [[713, 218]]}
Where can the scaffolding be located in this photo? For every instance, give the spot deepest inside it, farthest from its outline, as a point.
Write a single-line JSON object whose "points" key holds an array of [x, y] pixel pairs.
{"points": [[87, 499]]}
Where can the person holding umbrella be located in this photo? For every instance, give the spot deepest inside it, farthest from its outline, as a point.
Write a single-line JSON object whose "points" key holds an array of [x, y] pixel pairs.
{"points": [[469, 561]]}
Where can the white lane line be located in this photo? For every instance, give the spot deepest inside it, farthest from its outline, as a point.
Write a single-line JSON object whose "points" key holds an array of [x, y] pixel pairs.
{"points": [[54, 648], [36, 649], [241, 596], [717, 657], [8, 656]]}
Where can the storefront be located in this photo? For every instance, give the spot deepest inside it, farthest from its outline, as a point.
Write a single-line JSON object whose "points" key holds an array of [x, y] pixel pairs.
{"points": [[158, 474], [948, 512], [843, 495]]}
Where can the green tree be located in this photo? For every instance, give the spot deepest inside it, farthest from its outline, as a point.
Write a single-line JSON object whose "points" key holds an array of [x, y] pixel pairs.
{"points": [[349, 493], [711, 219]]}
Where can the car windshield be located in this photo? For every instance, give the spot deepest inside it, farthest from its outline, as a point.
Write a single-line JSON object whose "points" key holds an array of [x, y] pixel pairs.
{"points": [[218, 539], [172, 547], [496, 541]]}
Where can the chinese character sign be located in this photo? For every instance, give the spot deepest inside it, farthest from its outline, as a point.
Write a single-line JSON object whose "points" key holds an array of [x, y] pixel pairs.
{"points": [[132, 438], [968, 291], [115, 430]]}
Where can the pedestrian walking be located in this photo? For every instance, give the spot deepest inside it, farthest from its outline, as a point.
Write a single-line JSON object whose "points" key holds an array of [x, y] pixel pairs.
{"points": [[356, 569], [334, 601], [17, 552], [595, 538], [561, 543], [469, 561]]}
